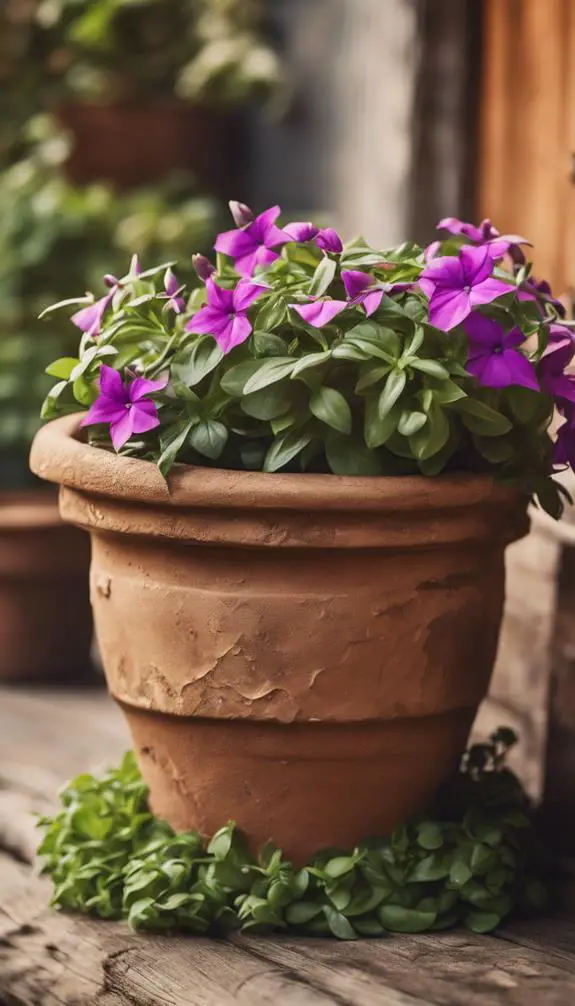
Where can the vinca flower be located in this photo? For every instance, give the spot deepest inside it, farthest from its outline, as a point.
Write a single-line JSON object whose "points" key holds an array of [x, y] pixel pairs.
{"points": [[364, 289], [252, 245], [557, 356], [486, 235], [124, 406], [175, 302], [89, 319], [456, 285], [329, 241], [225, 315], [493, 357]]}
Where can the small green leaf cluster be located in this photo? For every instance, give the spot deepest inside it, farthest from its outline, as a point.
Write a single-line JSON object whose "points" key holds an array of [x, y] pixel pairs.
{"points": [[472, 862]]}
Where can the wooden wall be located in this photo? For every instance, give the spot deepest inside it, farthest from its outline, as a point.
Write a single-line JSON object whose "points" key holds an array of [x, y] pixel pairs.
{"points": [[527, 173]]}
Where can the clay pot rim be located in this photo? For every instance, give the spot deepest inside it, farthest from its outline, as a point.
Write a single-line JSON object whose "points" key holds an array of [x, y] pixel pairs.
{"points": [[58, 455]]}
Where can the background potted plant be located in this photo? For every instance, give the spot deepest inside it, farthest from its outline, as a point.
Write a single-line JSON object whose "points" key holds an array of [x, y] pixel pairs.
{"points": [[301, 621], [51, 232], [145, 86]]}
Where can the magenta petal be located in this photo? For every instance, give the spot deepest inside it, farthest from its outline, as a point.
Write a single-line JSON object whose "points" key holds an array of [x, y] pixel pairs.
{"points": [[476, 264], [111, 384], [455, 226], [448, 308], [261, 256], [301, 231], [561, 387], [141, 386], [104, 410], [219, 299], [371, 301], [208, 321], [246, 293], [431, 251], [121, 430], [355, 282], [89, 319], [320, 312], [235, 332], [489, 290], [443, 271], [236, 243], [521, 369], [329, 241], [484, 330], [145, 417]]}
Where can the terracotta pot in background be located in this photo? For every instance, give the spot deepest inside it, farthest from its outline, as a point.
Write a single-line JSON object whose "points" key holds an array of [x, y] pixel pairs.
{"points": [[304, 654], [135, 144], [45, 617]]}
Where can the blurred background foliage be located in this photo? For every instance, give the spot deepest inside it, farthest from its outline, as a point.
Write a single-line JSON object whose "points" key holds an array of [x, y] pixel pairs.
{"points": [[57, 239]]}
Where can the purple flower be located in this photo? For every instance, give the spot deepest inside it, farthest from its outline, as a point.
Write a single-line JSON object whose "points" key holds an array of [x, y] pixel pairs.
{"points": [[124, 406], [172, 293], [225, 315], [301, 231], [564, 450], [540, 291], [431, 250], [486, 234], [252, 245], [89, 319], [320, 312], [242, 215], [203, 267], [364, 289], [493, 358], [329, 241], [456, 285], [557, 356]]}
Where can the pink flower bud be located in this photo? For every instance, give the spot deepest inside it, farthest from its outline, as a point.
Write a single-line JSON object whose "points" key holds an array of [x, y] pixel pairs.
{"points": [[241, 213], [203, 266]]}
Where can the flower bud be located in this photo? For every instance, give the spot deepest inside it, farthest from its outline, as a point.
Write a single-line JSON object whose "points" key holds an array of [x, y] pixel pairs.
{"points": [[203, 266], [241, 213]]}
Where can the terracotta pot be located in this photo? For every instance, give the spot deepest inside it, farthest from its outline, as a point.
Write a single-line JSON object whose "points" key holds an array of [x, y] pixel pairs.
{"points": [[301, 653], [132, 144], [45, 617]]}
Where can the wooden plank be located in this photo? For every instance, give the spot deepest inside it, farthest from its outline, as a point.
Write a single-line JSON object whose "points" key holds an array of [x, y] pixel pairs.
{"points": [[525, 182], [50, 959]]}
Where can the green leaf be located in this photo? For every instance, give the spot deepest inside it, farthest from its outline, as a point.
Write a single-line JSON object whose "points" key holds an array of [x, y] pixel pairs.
{"points": [[346, 456], [432, 867], [63, 367], [171, 443], [338, 924], [447, 392], [376, 430], [269, 403], [271, 314], [195, 362], [459, 873], [392, 391], [339, 866], [411, 422], [285, 448], [481, 922], [322, 277], [269, 372], [310, 361], [221, 842], [481, 418], [300, 912], [329, 405], [235, 379], [405, 920], [432, 437], [371, 375], [267, 344], [430, 367], [429, 835], [209, 437]]}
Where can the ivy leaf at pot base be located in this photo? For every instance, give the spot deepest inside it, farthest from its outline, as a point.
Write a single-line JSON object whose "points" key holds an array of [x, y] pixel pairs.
{"points": [[472, 862]]}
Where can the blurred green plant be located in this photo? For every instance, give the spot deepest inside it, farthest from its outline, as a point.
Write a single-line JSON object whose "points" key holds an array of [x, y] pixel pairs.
{"points": [[208, 51], [53, 235]]}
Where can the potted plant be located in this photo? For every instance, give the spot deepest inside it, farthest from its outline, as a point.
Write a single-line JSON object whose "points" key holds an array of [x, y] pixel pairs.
{"points": [[299, 482], [53, 233], [147, 86]]}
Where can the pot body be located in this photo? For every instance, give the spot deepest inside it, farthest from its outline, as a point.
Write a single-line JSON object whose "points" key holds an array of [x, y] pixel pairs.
{"points": [[303, 654], [45, 616], [129, 145]]}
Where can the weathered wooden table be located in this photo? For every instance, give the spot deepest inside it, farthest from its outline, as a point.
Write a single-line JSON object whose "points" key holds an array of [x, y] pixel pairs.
{"points": [[49, 959]]}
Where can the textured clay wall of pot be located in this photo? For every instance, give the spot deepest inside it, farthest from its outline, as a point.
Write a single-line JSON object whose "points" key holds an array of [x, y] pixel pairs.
{"points": [[304, 654], [45, 616]]}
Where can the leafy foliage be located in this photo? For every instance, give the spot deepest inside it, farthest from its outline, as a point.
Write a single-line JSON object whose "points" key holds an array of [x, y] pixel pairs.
{"points": [[472, 862], [388, 394]]}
